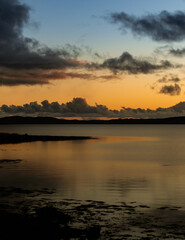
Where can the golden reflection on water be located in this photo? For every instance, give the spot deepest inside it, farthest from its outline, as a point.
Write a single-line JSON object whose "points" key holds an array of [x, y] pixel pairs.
{"points": [[143, 169], [117, 139]]}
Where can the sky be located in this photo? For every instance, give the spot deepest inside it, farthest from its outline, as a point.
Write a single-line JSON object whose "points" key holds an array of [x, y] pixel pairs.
{"points": [[88, 56]]}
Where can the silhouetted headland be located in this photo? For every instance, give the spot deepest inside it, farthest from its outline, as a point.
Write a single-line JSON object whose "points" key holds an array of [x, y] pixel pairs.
{"points": [[6, 138], [51, 120]]}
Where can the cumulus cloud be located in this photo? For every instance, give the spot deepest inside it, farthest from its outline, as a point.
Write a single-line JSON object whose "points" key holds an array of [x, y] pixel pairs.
{"points": [[171, 90], [164, 26], [79, 107]]}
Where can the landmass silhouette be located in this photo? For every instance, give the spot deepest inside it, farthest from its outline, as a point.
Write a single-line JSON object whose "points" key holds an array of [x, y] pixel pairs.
{"points": [[6, 138], [51, 120]]}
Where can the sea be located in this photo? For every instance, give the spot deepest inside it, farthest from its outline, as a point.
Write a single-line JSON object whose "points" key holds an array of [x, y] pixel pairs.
{"points": [[122, 163]]}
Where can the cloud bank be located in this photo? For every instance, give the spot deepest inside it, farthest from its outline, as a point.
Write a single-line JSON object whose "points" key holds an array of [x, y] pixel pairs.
{"points": [[78, 107], [164, 26]]}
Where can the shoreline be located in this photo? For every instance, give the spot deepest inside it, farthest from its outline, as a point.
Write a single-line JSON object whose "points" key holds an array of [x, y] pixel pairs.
{"points": [[12, 138]]}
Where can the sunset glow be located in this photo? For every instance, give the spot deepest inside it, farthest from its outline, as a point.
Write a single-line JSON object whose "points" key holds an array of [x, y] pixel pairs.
{"points": [[104, 54]]}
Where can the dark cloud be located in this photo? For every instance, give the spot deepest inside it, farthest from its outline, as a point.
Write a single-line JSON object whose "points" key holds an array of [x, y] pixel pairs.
{"points": [[177, 52], [78, 107], [171, 90], [19, 53], [126, 62], [25, 61], [164, 26]]}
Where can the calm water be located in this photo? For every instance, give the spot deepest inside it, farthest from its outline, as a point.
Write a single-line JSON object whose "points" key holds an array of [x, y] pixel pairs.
{"points": [[126, 163]]}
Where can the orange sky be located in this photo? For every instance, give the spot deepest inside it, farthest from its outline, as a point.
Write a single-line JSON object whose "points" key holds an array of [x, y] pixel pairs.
{"points": [[137, 67], [128, 91]]}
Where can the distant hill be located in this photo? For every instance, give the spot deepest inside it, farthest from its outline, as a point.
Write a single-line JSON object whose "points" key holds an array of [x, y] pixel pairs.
{"points": [[50, 120]]}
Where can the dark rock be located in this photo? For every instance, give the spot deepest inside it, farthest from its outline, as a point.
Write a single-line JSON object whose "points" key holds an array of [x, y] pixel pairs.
{"points": [[144, 206], [93, 232], [52, 214]]}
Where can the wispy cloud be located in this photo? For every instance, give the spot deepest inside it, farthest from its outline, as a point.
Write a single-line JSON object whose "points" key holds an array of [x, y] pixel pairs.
{"points": [[169, 78]]}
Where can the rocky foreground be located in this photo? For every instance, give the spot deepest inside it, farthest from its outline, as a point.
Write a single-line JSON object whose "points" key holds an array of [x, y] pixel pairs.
{"points": [[32, 214]]}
